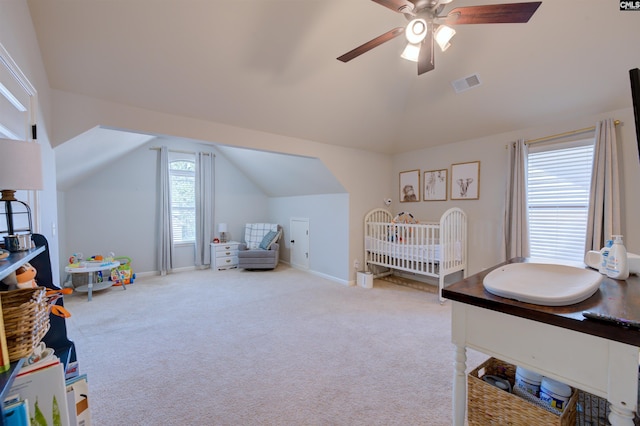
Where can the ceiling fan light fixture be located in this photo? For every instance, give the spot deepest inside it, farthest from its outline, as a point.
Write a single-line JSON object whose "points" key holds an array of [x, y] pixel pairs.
{"points": [[411, 52], [443, 35], [424, 29], [416, 31]]}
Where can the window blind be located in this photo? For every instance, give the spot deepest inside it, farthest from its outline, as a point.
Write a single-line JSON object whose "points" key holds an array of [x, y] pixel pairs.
{"points": [[183, 201], [558, 185]]}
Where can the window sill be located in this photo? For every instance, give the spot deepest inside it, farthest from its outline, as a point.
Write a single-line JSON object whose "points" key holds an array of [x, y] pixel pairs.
{"points": [[184, 244]]}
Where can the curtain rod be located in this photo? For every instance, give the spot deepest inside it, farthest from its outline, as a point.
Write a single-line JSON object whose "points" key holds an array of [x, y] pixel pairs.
{"points": [[562, 135], [157, 148]]}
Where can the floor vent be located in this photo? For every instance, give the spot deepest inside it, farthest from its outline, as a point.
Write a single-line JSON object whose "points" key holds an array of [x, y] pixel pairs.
{"points": [[466, 83]]}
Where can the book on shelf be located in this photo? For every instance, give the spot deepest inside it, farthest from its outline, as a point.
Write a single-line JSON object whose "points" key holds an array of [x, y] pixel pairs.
{"points": [[45, 389], [4, 349], [38, 366], [78, 401], [16, 413], [44, 362]]}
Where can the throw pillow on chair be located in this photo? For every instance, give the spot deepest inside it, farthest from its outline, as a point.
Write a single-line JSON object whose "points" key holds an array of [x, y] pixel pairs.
{"points": [[269, 239]]}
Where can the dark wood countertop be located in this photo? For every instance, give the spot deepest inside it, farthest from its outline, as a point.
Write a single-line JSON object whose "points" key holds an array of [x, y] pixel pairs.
{"points": [[617, 298]]}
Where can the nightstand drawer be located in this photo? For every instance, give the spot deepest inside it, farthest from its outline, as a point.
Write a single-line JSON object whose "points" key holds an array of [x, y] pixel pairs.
{"points": [[226, 262], [222, 248], [224, 255]]}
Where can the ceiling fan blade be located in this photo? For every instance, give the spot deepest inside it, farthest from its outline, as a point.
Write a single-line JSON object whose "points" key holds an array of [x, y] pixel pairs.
{"points": [[426, 56], [517, 13], [400, 6], [389, 35]]}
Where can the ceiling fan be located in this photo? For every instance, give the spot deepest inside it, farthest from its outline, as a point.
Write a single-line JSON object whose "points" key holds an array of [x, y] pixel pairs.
{"points": [[427, 27]]}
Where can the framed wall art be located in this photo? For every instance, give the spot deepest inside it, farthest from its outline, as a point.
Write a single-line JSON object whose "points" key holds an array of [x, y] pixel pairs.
{"points": [[435, 185], [409, 186], [465, 181]]}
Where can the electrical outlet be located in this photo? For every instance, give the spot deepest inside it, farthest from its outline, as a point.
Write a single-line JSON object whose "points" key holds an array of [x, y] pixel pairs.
{"points": [[356, 264]]}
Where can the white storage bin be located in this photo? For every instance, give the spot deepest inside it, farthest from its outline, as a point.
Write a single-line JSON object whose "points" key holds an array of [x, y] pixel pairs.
{"points": [[365, 279]]}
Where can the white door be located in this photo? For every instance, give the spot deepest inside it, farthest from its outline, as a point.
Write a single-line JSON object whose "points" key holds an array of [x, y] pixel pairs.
{"points": [[299, 243], [17, 119]]}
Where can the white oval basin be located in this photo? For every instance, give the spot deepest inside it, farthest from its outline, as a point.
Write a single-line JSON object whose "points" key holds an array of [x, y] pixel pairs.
{"points": [[543, 283]]}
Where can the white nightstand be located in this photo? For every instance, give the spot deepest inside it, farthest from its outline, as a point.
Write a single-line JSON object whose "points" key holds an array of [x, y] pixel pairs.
{"points": [[224, 255]]}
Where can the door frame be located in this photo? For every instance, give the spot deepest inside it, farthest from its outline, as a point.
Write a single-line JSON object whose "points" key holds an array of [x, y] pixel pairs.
{"points": [[14, 71]]}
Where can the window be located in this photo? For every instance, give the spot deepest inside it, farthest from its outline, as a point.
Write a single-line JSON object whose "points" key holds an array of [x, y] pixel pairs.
{"points": [[558, 184], [182, 172]]}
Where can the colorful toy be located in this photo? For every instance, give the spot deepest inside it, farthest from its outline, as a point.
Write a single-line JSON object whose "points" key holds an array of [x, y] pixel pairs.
{"points": [[123, 274], [402, 218], [75, 259], [54, 295]]}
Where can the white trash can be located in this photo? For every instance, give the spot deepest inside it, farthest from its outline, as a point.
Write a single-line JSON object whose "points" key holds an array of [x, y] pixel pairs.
{"points": [[365, 279]]}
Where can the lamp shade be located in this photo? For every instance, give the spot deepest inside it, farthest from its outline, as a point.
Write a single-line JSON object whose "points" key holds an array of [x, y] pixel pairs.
{"points": [[443, 35], [20, 165], [411, 52], [416, 31], [222, 227]]}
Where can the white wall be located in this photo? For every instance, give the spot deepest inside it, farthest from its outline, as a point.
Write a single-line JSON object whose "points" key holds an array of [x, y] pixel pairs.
{"points": [[237, 200], [486, 214], [17, 35], [116, 208], [365, 175], [328, 230]]}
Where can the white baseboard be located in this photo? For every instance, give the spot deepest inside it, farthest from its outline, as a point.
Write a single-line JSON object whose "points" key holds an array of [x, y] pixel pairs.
{"points": [[323, 275], [349, 283], [331, 278]]}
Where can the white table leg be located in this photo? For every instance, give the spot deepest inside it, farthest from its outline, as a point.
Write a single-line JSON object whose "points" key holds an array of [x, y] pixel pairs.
{"points": [[620, 416], [459, 385], [622, 390], [90, 285]]}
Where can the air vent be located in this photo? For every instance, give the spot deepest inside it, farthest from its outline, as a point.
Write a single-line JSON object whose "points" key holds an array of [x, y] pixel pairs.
{"points": [[466, 83]]}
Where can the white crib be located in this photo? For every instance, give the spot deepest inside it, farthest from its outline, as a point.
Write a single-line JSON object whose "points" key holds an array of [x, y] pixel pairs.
{"points": [[433, 249]]}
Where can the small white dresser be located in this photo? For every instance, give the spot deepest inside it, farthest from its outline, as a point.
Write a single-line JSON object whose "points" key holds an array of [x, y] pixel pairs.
{"points": [[224, 255]]}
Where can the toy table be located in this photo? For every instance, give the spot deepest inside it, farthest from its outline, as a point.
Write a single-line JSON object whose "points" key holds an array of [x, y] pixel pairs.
{"points": [[90, 268]]}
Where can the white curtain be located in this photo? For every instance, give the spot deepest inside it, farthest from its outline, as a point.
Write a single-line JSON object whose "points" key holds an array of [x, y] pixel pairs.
{"points": [[165, 243], [204, 207], [604, 199], [516, 223]]}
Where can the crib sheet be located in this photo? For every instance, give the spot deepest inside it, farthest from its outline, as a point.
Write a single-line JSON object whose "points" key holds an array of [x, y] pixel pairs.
{"points": [[408, 250]]}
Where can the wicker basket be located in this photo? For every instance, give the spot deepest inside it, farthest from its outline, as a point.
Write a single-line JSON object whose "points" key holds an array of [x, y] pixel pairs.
{"points": [[78, 280], [488, 405], [26, 320]]}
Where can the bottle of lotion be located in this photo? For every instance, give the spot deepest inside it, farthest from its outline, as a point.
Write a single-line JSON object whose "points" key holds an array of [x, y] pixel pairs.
{"points": [[617, 267], [604, 254]]}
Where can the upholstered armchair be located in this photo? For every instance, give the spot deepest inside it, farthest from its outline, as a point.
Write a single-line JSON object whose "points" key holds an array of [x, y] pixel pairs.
{"points": [[260, 249]]}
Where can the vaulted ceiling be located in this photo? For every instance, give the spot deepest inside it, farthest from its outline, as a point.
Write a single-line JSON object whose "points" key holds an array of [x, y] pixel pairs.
{"points": [[270, 65]]}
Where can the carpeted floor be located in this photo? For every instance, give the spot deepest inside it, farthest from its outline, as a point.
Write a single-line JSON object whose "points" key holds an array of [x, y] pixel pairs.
{"points": [[280, 347]]}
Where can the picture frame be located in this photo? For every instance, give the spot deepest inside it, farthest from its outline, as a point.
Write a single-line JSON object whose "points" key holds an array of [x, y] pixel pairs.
{"points": [[409, 186], [465, 181], [435, 185]]}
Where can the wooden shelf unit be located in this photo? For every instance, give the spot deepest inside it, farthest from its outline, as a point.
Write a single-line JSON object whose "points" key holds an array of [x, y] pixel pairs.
{"points": [[56, 338]]}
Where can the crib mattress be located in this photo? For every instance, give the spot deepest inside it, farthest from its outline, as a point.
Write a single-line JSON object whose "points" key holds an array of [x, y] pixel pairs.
{"points": [[408, 250]]}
